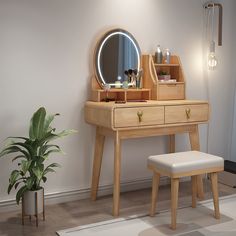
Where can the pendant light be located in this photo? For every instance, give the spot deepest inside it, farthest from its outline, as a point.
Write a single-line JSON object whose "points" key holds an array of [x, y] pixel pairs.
{"points": [[212, 60]]}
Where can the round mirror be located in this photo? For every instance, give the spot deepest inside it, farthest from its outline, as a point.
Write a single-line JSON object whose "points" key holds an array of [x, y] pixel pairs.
{"points": [[116, 53]]}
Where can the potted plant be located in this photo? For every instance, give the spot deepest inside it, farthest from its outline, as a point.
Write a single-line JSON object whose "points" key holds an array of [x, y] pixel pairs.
{"points": [[31, 153], [163, 76]]}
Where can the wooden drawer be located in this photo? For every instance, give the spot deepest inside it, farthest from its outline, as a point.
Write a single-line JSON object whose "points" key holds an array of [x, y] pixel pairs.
{"points": [[138, 116], [186, 113], [171, 91]]}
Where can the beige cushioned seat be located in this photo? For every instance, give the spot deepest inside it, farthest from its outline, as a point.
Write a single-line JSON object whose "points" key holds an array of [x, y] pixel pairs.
{"points": [[185, 161]]}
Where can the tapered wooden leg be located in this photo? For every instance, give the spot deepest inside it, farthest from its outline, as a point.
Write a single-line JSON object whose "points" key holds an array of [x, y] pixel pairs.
{"points": [[171, 143], [117, 163], [214, 186], [97, 162], [194, 191], [155, 186], [174, 201], [194, 142]]}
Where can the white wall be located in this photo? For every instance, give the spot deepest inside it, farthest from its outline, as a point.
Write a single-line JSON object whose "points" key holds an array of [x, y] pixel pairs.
{"points": [[221, 86], [233, 142], [46, 60]]}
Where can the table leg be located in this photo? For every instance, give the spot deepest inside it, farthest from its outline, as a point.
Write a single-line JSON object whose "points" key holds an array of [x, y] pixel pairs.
{"points": [[117, 163], [97, 162], [194, 141], [171, 143]]}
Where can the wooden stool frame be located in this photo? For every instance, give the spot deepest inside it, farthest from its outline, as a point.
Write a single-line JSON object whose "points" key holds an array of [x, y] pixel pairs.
{"points": [[175, 189]]}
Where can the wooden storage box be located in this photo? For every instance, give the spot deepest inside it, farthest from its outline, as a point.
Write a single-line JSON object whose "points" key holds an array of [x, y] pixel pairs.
{"points": [[173, 89]]}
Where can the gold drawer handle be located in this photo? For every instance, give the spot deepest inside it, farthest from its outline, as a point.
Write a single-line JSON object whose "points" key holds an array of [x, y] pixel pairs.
{"points": [[140, 116], [188, 113]]}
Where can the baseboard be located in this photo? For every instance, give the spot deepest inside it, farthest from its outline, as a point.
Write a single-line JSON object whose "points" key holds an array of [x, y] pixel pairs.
{"points": [[73, 195]]}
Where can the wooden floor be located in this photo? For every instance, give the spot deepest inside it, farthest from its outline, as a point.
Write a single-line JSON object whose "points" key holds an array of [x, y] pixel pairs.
{"points": [[72, 214]]}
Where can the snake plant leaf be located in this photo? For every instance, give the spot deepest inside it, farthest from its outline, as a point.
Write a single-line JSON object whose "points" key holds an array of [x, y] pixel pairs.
{"points": [[20, 193], [37, 124]]}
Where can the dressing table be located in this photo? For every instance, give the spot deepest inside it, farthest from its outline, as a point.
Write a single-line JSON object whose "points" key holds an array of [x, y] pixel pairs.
{"points": [[158, 108]]}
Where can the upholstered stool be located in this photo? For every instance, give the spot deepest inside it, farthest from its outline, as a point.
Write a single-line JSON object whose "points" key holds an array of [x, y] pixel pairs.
{"points": [[177, 165]]}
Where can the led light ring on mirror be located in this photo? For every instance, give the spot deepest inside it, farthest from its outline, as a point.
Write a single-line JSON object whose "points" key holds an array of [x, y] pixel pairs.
{"points": [[119, 32]]}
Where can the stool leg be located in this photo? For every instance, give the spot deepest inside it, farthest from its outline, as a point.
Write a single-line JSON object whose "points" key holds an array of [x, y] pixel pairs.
{"points": [[194, 191], [174, 201], [214, 186], [155, 186]]}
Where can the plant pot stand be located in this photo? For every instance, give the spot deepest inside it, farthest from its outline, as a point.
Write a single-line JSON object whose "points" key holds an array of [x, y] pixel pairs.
{"points": [[36, 205]]}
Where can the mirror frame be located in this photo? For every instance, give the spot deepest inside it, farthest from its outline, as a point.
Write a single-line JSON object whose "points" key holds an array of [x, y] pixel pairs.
{"points": [[101, 42]]}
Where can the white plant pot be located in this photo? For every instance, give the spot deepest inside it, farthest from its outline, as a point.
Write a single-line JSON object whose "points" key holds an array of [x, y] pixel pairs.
{"points": [[31, 207]]}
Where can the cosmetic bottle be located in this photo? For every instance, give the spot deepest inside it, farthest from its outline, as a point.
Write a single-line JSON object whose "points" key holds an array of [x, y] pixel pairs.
{"points": [[158, 55], [118, 82], [167, 56]]}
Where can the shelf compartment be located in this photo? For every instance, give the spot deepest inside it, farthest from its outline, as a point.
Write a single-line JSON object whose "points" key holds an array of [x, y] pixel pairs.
{"points": [[121, 94]]}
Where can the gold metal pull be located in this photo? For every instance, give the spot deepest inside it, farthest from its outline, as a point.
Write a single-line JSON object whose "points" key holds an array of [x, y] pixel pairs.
{"points": [[188, 113], [140, 115]]}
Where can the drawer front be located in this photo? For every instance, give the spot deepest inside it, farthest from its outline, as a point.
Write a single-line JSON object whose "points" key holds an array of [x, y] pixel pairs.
{"points": [[171, 91], [186, 113], [138, 116]]}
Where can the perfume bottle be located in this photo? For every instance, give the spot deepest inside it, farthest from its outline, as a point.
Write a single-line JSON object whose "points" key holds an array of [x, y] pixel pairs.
{"points": [[167, 56], [158, 55]]}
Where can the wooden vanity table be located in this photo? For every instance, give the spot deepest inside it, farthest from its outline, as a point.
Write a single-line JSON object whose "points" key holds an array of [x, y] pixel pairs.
{"points": [[158, 108], [122, 122]]}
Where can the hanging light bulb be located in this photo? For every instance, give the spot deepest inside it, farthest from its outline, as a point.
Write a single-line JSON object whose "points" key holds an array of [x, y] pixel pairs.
{"points": [[212, 60]]}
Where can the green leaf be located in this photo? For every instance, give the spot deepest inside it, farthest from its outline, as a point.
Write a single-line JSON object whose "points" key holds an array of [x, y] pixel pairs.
{"points": [[66, 132], [38, 172], [37, 124], [44, 179], [52, 151], [20, 193], [30, 182], [13, 149], [44, 148], [24, 145], [13, 177], [49, 168], [16, 185], [25, 166], [48, 120], [10, 186], [19, 156]]}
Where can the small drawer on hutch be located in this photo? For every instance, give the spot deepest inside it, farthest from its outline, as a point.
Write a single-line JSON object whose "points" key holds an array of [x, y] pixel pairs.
{"points": [[171, 91], [186, 113], [138, 116]]}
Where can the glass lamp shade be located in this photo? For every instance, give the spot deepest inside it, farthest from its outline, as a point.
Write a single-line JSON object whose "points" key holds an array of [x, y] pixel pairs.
{"points": [[212, 61]]}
